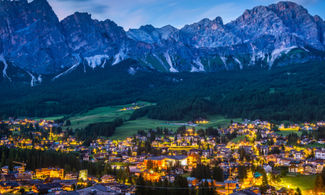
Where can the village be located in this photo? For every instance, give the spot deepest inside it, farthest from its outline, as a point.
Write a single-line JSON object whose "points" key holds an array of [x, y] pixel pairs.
{"points": [[252, 157]]}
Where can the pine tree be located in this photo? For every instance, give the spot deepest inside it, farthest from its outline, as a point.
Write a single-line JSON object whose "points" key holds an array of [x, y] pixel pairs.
{"points": [[319, 184]]}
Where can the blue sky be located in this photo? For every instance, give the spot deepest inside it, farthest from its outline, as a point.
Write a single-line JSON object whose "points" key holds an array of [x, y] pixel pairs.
{"points": [[134, 13]]}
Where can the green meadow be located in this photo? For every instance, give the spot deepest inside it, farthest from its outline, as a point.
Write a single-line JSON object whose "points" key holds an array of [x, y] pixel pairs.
{"points": [[103, 114], [304, 182], [130, 127]]}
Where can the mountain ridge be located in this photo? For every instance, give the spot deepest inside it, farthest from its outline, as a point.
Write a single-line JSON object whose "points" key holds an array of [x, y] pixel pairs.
{"points": [[38, 43]]}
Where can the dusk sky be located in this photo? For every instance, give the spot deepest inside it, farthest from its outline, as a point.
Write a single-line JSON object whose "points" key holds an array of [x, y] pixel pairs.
{"points": [[134, 13]]}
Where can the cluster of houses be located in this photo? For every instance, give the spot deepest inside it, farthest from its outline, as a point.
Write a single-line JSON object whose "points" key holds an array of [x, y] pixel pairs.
{"points": [[257, 143], [56, 181]]}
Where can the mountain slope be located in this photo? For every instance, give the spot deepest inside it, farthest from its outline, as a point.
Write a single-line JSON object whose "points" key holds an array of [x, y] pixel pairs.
{"points": [[34, 40]]}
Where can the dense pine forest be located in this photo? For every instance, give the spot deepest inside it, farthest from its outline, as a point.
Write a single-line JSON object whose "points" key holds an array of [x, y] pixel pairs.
{"points": [[294, 93]]}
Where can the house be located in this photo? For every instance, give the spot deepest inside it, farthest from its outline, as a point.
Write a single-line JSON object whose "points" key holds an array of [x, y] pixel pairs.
{"points": [[320, 154], [244, 192], [45, 188], [170, 178], [108, 179], [282, 191], [319, 168], [309, 169], [271, 158], [298, 155], [192, 181], [49, 173], [231, 185], [268, 168], [293, 168], [163, 162], [284, 161], [96, 189], [5, 170]]}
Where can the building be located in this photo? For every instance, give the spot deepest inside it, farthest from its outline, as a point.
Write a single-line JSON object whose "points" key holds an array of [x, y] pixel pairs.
{"points": [[45, 173], [320, 154], [83, 175]]}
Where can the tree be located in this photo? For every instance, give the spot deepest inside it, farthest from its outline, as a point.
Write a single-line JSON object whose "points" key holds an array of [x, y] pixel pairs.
{"points": [[201, 172], [217, 174], [319, 184], [264, 179], [181, 182], [140, 185], [298, 191], [67, 123], [292, 139], [242, 172]]}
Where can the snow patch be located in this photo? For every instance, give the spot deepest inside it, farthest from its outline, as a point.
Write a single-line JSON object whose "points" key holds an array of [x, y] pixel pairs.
{"points": [[239, 62], [200, 66], [169, 61], [278, 52], [257, 55], [4, 71], [96, 60], [306, 50], [261, 55], [39, 78], [132, 71], [33, 80], [224, 60], [67, 71], [253, 58], [120, 56]]}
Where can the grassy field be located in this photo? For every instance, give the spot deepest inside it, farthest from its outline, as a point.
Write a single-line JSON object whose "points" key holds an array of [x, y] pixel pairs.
{"points": [[102, 114], [129, 128], [218, 121], [238, 139], [304, 182]]}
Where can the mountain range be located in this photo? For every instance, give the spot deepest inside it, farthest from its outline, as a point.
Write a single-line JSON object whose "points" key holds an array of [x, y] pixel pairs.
{"points": [[35, 44]]}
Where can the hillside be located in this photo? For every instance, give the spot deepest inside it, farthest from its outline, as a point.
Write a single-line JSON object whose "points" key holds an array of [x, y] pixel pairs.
{"points": [[286, 93]]}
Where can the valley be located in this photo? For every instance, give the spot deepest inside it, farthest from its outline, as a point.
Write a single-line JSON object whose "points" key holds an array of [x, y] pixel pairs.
{"points": [[211, 105]]}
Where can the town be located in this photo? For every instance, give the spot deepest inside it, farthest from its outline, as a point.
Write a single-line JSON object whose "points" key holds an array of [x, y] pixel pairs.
{"points": [[251, 157]]}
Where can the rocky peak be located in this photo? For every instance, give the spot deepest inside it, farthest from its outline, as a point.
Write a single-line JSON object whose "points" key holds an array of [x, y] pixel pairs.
{"points": [[44, 11], [147, 28], [204, 24], [287, 5], [218, 20], [78, 18], [10, 3], [32, 38], [299, 21], [167, 31]]}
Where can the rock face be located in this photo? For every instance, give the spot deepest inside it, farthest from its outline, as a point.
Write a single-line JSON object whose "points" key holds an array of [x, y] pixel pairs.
{"points": [[31, 36], [33, 39]]}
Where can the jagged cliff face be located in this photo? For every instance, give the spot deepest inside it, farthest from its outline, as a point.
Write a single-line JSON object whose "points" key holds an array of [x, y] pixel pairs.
{"points": [[33, 39], [31, 36]]}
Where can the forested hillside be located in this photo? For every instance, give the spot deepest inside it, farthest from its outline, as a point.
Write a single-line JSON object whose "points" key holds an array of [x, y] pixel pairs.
{"points": [[284, 93]]}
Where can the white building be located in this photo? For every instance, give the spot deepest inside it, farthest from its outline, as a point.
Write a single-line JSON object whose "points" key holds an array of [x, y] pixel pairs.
{"points": [[320, 154]]}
